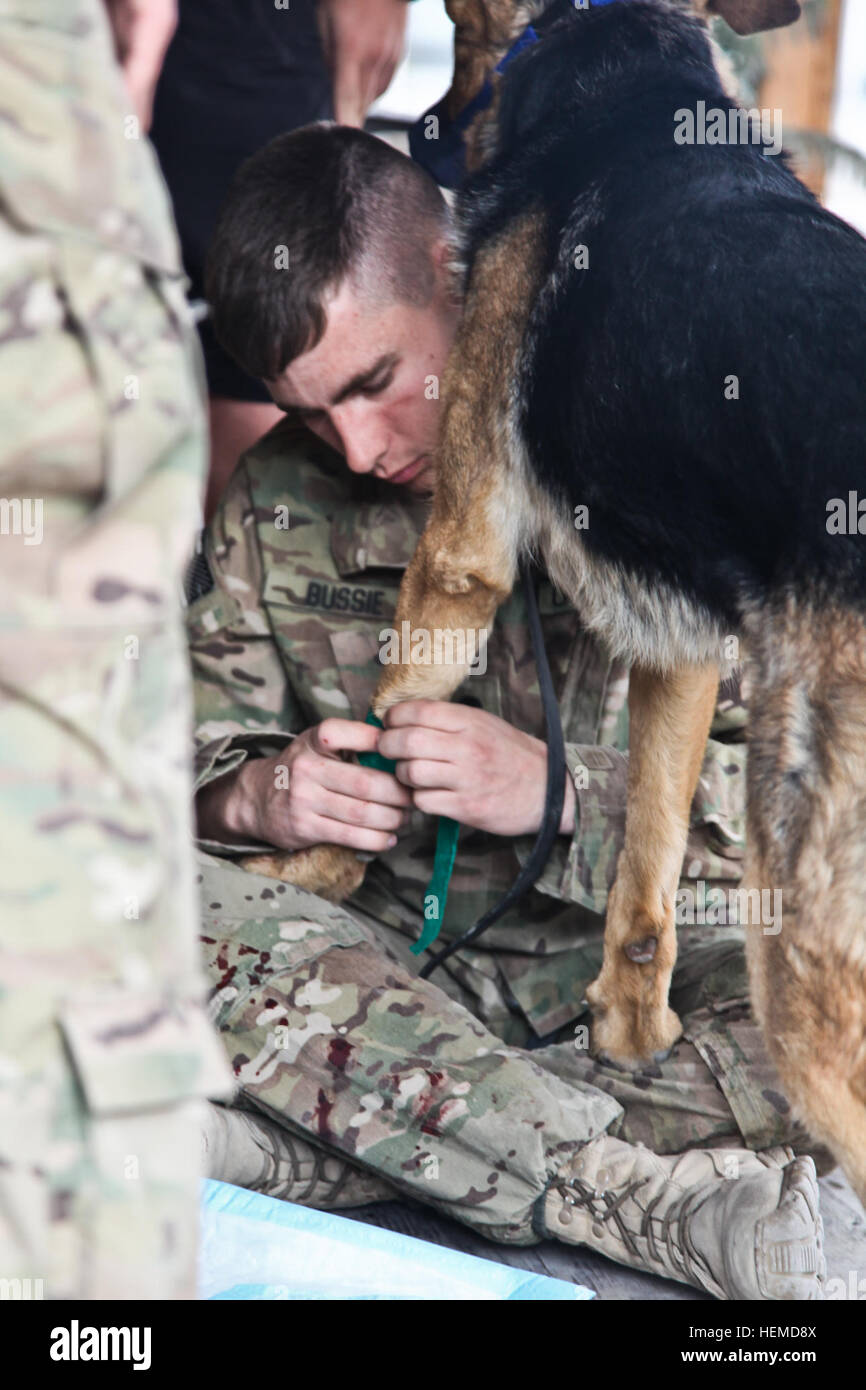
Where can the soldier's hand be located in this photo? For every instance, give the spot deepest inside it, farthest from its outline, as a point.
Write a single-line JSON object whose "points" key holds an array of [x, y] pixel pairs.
{"points": [[309, 795], [470, 765]]}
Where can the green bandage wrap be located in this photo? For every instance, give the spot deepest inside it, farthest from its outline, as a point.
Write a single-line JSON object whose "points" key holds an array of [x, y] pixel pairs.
{"points": [[443, 860], [375, 759], [437, 889]]}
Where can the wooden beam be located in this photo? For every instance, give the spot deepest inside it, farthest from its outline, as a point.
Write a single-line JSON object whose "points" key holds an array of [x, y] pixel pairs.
{"points": [[801, 80]]}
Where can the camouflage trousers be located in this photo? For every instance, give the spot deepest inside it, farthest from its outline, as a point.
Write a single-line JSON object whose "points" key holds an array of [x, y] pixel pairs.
{"points": [[331, 1032]]}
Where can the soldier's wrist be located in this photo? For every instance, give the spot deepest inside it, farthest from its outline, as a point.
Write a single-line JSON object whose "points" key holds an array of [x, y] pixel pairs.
{"points": [[248, 797], [226, 809], [569, 806]]}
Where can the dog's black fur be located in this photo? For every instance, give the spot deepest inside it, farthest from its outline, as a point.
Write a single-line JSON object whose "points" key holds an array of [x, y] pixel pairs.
{"points": [[622, 382]]}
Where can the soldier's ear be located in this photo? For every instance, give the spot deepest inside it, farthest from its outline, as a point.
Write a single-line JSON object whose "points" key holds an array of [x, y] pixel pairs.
{"points": [[750, 16]]}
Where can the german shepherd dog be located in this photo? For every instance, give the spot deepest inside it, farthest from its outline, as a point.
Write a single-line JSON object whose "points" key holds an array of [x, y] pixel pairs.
{"points": [[673, 336]]}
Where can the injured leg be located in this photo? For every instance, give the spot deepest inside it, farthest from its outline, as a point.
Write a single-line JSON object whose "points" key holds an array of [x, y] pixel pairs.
{"points": [[336, 1045]]}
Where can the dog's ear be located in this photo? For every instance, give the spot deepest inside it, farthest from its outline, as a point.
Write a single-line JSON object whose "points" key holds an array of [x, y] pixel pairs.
{"points": [[750, 16]]}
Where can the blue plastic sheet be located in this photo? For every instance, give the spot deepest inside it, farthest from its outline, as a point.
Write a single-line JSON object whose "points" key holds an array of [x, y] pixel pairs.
{"points": [[255, 1247]]}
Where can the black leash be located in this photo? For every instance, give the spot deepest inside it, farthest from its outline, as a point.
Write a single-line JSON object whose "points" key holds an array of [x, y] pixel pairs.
{"points": [[554, 794]]}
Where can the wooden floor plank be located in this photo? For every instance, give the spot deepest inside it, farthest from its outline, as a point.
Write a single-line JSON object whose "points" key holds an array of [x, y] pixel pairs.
{"points": [[844, 1230]]}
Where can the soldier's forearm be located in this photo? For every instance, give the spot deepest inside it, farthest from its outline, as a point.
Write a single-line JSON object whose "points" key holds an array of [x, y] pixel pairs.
{"points": [[226, 809]]}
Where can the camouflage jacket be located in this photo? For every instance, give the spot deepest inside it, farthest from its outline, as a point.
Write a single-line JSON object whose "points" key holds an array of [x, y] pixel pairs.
{"points": [[305, 563]]}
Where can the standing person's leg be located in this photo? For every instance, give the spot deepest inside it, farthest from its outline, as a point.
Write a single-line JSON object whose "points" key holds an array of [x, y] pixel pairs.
{"points": [[334, 1039], [104, 1048]]}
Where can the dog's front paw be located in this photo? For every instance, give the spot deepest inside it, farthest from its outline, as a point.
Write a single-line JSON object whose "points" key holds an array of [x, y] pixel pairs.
{"points": [[329, 871], [630, 1037]]}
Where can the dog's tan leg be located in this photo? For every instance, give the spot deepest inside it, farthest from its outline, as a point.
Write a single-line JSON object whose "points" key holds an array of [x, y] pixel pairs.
{"points": [[466, 560], [462, 570], [669, 718], [331, 871]]}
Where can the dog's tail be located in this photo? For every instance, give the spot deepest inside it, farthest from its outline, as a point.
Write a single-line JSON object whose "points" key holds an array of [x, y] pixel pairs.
{"points": [[807, 846]]}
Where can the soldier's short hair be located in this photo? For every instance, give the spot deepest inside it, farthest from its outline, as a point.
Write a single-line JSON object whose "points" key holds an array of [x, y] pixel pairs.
{"points": [[308, 210]]}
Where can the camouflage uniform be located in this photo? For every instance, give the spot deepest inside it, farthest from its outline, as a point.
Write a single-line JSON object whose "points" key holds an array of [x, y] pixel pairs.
{"points": [[326, 1023], [105, 1049]]}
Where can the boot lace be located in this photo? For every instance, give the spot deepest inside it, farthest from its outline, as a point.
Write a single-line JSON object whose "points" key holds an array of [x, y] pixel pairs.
{"points": [[276, 1151], [606, 1207]]}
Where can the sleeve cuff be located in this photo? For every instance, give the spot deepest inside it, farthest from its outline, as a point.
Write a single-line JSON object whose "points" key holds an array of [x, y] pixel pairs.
{"points": [[222, 755]]}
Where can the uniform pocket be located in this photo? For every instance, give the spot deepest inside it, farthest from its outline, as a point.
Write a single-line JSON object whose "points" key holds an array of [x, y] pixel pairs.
{"points": [[142, 1049], [103, 395], [328, 634]]}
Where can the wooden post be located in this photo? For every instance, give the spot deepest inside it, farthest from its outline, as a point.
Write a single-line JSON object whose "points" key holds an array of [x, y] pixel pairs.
{"points": [[801, 79]]}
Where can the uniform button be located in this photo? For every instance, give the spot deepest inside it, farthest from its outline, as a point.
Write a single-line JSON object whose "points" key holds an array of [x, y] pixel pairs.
{"points": [[361, 558], [565, 1216], [597, 1231]]}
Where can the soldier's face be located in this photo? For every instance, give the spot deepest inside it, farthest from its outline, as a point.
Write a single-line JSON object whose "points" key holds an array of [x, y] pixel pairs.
{"points": [[370, 387]]}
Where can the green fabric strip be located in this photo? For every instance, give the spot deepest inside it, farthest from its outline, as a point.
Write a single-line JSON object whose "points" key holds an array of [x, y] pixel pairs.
{"points": [[375, 759], [447, 834], [437, 889]]}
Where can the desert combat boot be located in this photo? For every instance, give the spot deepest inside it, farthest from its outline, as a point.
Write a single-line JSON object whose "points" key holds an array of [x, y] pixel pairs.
{"points": [[253, 1152], [738, 1224]]}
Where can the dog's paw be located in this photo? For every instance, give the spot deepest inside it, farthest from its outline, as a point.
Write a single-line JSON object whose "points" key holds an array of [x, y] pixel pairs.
{"points": [[329, 871], [629, 1039]]}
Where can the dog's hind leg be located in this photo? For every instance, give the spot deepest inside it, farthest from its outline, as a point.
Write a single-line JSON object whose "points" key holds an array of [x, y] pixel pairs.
{"points": [[669, 718], [805, 867]]}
